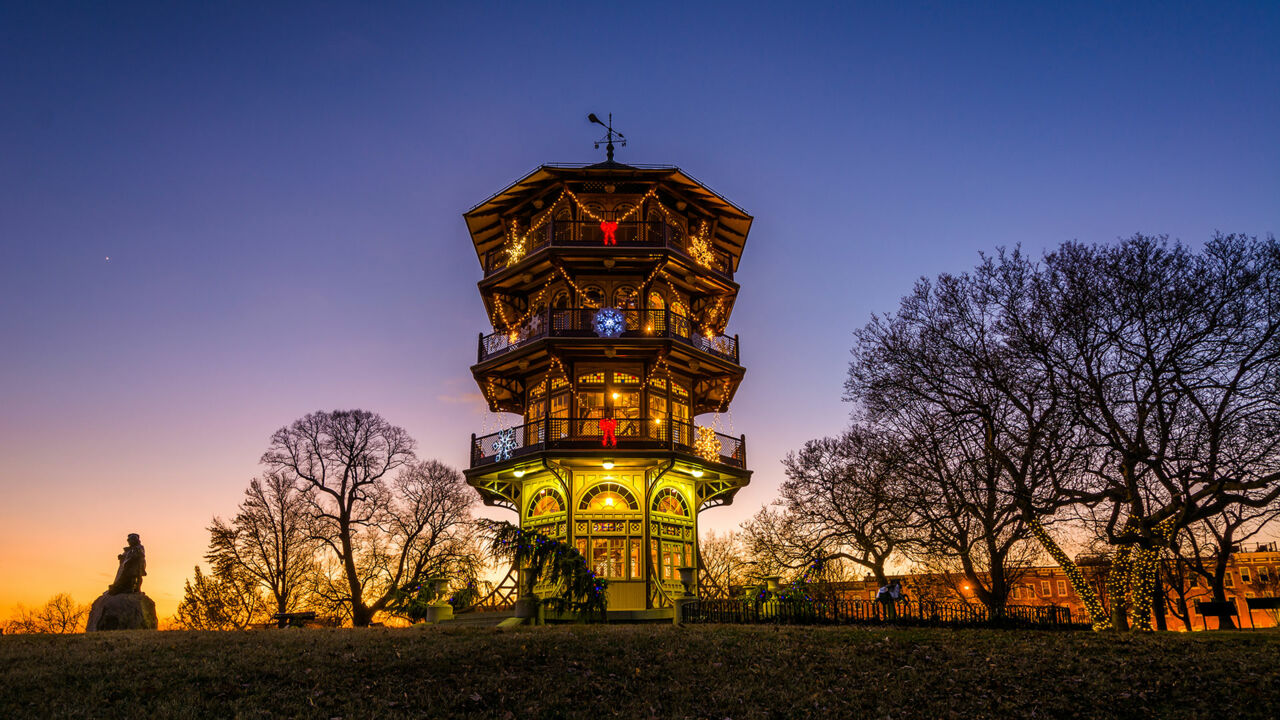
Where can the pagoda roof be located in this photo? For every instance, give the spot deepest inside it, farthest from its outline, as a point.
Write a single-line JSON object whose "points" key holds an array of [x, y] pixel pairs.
{"points": [[484, 221]]}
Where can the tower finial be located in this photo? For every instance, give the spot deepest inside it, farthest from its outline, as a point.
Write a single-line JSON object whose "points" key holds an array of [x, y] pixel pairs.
{"points": [[608, 138]]}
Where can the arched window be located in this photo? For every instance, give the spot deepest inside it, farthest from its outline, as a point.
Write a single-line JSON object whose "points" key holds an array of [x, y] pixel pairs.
{"points": [[670, 501], [625, 297], [545, 502], [608, 496], [561, 315], [563, 226], [593, 296]]}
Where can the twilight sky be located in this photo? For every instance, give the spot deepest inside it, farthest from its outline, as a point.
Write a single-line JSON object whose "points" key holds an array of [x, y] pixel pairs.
{"points": [[280, 189]]}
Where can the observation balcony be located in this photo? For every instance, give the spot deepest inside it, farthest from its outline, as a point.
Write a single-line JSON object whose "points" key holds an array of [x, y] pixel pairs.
{"points": [[586, 434], [632, 233], [578, 324]]}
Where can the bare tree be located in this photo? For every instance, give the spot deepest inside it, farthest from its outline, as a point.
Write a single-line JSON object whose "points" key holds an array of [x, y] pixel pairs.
{"points": [[270, 538], [1207, 545], [722, 563], [61, 615], [1168, 359], [839, 502], [980, 431], [342, 457]]}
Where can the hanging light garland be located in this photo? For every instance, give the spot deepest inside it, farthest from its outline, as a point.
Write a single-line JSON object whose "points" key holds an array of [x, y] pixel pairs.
{"points": [[517, 243]]}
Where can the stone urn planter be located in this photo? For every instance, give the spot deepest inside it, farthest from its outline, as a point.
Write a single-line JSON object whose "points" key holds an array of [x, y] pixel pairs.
{"points": [[439, 609], [688, 578]]}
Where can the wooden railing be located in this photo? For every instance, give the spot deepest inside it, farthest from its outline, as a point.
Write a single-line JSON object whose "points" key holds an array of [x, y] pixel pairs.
{"points": [[588, 233], [580, 323], [586, 434]]}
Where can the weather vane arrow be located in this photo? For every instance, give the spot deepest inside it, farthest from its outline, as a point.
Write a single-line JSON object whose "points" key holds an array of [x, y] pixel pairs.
{"points": [[608, 138]]}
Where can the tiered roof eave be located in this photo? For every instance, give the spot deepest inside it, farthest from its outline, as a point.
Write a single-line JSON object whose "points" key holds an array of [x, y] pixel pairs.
{"points": [[485, 220]]}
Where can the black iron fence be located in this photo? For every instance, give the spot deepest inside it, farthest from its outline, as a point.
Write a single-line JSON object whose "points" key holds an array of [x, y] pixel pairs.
{"points": [[631, 233], [587, 434], [582, 323], [839, 612]]}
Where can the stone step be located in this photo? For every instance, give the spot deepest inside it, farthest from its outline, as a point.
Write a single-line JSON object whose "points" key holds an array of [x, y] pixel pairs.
{"points": [[477, 619]]}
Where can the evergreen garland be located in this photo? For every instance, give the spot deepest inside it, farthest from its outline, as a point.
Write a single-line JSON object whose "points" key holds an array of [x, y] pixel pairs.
{"points": [[551, 561]]}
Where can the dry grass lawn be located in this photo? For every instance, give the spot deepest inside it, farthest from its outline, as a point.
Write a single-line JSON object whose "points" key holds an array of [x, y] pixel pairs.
{"points": [[641, 672]]}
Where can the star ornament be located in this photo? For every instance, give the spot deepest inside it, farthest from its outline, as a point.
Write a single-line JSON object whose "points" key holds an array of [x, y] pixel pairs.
{"points": [[609, 322]]}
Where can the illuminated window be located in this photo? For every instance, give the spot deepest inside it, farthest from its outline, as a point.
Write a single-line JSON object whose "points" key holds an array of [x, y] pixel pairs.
{"points": [[626, 298], [1062, 587], [595, 378], [1244, 575], [545, 502], [593, 296], [607, 557], [635, 558], [626, 378], [670, 501], [674, 555], [1044, 588], [608, 496]]}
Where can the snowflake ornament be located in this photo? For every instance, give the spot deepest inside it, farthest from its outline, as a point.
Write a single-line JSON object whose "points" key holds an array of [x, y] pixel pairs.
{"points": [[609, 322], [504, 444]]}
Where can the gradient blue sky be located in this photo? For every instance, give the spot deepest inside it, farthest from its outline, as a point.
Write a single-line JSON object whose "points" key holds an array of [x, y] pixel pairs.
{"points": [[279, 190]]}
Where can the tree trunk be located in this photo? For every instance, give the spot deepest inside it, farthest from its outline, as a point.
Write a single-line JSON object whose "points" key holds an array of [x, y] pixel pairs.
{"points": [[1118, 588], [1142, 582], [361, 616], [1159, 603], [1220, 595]]}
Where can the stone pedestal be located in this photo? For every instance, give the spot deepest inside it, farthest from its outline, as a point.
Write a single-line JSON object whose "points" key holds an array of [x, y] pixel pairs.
{"points": [[437, 612], [125, 611]]}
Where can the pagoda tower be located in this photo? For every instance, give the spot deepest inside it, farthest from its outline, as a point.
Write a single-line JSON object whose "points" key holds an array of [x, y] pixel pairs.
{"points": [[609, 287]]}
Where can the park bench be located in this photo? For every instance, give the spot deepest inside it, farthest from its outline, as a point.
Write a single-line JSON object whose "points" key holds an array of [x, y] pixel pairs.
{"points": [[294, 620], [1220, 610], [1262, 603]]}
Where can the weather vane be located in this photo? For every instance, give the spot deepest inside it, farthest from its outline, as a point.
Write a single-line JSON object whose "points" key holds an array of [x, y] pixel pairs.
{"points": [[609, 137]]}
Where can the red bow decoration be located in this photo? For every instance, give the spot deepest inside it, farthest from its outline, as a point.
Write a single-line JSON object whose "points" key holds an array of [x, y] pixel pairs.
{"points": [[608, 427], [609, 227]]}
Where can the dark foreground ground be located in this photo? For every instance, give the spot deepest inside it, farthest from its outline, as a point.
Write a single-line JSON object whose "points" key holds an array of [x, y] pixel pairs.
{"points": [[641, 672]]}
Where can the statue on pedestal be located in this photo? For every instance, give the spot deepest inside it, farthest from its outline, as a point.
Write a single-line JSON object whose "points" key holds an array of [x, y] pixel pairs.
{"points": [[133, 565], [124, 606]]}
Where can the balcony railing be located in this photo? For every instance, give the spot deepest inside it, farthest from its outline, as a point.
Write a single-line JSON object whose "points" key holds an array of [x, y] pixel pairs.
{"points": [[579, 323], [588, 233], [586, 434]]}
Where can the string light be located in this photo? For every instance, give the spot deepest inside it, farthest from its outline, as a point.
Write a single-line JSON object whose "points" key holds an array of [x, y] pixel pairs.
{"points": [[707, 446], [1097, 614], [700, 246]]}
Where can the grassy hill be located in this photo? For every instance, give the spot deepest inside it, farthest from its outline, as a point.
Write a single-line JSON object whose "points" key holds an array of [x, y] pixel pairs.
{"points": [[641, 672]]}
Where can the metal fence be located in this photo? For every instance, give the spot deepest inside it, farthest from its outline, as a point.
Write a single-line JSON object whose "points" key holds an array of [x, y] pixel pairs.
{"points": [[849, 612]]}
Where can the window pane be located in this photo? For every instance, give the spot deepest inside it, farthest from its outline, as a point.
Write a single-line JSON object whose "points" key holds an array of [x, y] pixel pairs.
{"points": [[617, 555], [635, 559], [600, 556]]}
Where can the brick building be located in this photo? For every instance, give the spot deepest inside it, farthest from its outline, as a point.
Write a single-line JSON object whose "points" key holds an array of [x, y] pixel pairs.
{"points": [[1253, 572]]}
